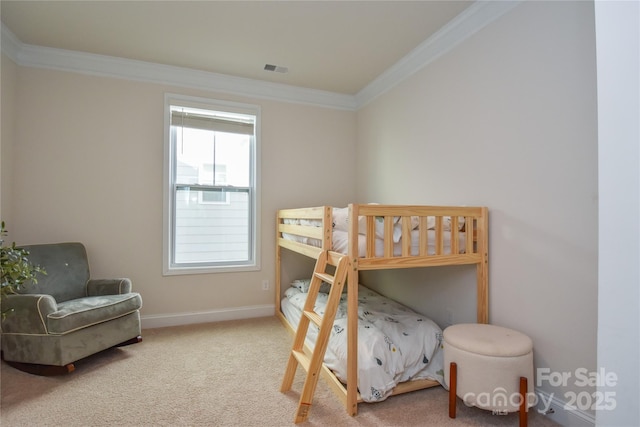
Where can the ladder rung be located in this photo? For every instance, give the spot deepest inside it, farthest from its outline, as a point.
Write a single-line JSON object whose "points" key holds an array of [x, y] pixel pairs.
{"points": [[302, 359], [314, 317], [325, 277]]}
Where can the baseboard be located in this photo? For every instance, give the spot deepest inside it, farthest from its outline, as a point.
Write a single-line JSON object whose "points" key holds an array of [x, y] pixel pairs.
{"points": [[555, 409], [177, 319]]}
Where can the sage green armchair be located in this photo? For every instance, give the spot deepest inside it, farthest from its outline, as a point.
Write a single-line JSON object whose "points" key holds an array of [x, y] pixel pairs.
{"points": [[66, 316]]}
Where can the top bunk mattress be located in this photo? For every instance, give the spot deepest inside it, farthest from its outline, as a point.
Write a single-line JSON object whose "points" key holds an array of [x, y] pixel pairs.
{"points": [[340, 234]]}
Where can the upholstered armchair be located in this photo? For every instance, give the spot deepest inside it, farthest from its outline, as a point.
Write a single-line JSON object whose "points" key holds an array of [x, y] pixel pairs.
{"points": [[66, 315]]}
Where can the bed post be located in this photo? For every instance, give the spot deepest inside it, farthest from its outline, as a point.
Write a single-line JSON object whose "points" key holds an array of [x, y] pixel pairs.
{"points": [[278, 265], [482, 268], [327, 228], [352, 314]]}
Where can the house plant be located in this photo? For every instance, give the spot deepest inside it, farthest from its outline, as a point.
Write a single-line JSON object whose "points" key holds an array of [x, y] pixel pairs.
{"points": [[15, 266]]}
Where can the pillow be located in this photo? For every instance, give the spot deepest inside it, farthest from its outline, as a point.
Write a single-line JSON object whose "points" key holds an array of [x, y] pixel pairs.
{"points": [[341, 220], [304, 284], [446, 220], [311, 222], [397, 227], [460, 222], [290, 292]]}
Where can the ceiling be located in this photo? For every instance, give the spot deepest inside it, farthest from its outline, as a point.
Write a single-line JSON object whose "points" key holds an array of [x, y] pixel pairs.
{"points": [[336, 46]]}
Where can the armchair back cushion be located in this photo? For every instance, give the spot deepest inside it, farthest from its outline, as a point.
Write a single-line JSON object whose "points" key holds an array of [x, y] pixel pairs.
{"points": [[67, 269]]}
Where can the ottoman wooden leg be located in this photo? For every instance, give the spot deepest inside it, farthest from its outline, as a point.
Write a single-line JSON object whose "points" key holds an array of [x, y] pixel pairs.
{"points": [[523, 402], [453, 379]]}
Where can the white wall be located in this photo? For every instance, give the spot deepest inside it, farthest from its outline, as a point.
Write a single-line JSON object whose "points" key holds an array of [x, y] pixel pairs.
{"points": [[7, 129], [506, 120], [87, 157], [618, 52]]}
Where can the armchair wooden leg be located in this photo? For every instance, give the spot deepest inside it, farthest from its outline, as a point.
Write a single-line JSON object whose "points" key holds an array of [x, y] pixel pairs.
{"points": [[52, 370], [453, 380], [134, 340], [42, 370], [523, 402]]}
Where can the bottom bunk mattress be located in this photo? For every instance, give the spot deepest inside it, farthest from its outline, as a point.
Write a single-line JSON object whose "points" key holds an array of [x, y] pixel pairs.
{"points": [[395, 344]]}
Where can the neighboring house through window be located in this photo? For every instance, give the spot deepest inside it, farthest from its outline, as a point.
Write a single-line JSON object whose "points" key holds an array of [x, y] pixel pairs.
{"points": [[211, 196]]}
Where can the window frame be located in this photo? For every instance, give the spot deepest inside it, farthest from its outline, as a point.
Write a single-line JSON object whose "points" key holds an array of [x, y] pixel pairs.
{"points": [[169, 187]]}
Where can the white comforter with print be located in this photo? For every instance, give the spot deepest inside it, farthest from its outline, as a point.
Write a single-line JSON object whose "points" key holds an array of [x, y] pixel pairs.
{"points": [[395, 344]]}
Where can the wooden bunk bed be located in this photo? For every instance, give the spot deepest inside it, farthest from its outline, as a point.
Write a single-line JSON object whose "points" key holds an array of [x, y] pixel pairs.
{"points": [[383, 237]]}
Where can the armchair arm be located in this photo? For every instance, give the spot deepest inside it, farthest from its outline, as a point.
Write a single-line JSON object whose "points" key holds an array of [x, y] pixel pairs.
{"points": [[27, 313], [96, 287]]}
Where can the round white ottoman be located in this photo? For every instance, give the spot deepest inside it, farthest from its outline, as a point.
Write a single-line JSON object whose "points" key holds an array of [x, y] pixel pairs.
{"points": [[489, 367]]}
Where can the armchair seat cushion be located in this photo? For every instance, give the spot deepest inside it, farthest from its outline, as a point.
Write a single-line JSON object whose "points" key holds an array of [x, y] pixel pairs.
{"points": [[83, 312]]}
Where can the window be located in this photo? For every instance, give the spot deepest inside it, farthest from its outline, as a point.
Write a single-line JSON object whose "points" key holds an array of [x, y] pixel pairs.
{"points": [[211, 196]]}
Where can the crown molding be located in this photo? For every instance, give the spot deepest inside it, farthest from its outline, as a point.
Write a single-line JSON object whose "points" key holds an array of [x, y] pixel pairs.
{"points": [[470, 21], [27, 55], [9, 43]]}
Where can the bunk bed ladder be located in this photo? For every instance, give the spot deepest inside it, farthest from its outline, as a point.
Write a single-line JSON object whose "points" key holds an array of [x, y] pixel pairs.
{"points": [[313, 364]]}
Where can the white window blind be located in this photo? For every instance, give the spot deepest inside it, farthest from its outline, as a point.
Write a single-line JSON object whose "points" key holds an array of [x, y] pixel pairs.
{"points": [[189, 118]]}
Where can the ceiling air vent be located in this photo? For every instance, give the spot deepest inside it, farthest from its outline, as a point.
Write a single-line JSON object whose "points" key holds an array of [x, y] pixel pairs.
{"points": [[275, 68]]}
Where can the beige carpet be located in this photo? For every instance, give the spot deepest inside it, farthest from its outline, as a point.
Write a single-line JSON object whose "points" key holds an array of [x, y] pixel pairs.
{"points": [[219, 374]]}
